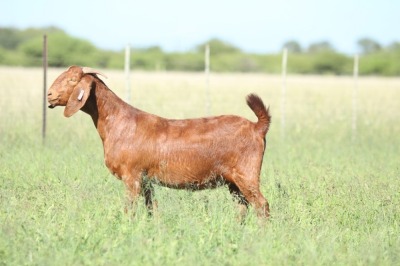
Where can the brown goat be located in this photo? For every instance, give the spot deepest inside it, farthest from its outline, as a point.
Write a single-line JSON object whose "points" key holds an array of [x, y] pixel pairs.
{"points": [[187, 154]]}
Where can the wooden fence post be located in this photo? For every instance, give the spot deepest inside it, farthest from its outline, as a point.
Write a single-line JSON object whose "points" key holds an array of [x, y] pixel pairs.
{"points": [[355, 98], [283, 93], [127, 73], [44, 118], [207, 73]]}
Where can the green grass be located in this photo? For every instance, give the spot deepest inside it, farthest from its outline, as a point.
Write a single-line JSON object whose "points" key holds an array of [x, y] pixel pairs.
{"points": [[333, 200]]}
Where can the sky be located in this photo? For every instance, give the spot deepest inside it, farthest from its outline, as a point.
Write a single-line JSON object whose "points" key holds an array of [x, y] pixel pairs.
{"points": [[256, 26]]}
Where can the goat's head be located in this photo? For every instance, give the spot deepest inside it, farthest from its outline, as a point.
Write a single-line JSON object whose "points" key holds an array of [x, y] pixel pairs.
{"points": [[71, 89]]}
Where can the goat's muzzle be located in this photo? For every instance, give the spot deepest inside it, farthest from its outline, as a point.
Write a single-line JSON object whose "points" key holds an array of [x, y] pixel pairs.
{"points": [[52, 102]]}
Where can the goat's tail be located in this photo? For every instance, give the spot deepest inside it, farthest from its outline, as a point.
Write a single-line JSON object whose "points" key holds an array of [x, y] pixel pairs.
{"points": [[262, 113]]}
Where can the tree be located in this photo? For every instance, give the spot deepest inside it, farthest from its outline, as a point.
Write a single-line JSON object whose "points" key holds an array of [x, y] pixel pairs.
{"points": [[368, 46], [218, 47], [330, 63], [9, 38], [64, 50], [394, 47], [293, 47], [319, 47]]}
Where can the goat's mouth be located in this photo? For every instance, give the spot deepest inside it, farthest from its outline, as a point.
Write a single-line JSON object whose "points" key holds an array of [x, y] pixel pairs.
{"points": [[52, 103]]}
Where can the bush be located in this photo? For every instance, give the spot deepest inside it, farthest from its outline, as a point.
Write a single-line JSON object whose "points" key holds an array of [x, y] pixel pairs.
{"points": [[381, 63], [148, 59], [331, 63], [184, 61]]}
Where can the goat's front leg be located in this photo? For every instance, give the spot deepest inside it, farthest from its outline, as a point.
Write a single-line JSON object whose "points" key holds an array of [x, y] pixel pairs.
{"points": [[148, 193], [133, 185]]}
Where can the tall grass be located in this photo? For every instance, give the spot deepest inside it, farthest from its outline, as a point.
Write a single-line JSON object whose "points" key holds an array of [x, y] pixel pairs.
{"points": [[333, 201]]}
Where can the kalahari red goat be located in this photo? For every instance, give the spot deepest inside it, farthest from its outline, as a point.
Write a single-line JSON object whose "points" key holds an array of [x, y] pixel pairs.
{"points": [[186, 154]]}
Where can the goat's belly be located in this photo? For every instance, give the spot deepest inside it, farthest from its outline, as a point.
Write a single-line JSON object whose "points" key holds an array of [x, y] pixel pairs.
{"points": [[196, 185], [187, 181]]}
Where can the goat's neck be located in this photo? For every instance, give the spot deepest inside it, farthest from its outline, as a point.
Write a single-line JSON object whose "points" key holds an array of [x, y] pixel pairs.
{"points": [[104, 107]]}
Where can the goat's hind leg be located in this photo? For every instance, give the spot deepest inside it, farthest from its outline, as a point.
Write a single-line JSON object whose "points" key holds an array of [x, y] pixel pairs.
{"points": [[243, 204], [254, 196], [250, 189]]}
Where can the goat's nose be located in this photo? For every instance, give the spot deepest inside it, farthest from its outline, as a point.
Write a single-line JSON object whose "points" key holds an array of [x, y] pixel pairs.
{"points": [[49, 93]]}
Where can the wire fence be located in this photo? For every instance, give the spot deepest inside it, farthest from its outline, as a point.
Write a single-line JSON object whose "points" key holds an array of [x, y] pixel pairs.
{"points": [[207, 69]]}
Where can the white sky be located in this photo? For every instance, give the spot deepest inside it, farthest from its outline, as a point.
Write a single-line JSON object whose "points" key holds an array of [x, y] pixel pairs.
{"points": [[178, 25]]}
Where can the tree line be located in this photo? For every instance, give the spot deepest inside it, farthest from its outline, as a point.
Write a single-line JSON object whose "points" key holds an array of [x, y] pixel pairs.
{"points": [[24, 48]]}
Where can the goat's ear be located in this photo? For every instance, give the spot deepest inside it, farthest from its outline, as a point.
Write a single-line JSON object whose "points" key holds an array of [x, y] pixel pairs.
{"points": [[79, 95]]}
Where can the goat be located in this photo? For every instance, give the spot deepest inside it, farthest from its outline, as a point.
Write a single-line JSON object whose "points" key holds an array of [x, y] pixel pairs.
{"points": [[185, 154]]}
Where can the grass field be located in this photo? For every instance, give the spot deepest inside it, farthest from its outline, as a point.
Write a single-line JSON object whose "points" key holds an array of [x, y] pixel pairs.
{"points": [[333, 201]]}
